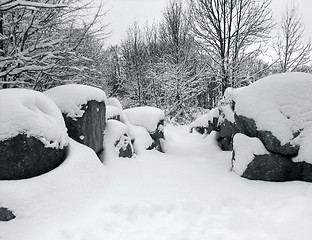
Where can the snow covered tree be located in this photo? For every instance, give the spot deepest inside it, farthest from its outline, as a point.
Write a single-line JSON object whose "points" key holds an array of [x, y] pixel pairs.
{"points": [[227, 29], [292, 52], [38, 39]]}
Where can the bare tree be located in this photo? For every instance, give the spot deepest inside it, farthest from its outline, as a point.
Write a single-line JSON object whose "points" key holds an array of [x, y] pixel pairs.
{"points": [[292, 52], [227, 29], [39, 42]]}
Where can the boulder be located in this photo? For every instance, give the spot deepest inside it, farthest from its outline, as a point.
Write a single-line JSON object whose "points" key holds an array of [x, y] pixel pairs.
{"points": [[117, 141], [152, 119], [33, 137], [25, 157], [158, 137], [84, 111], [251, 160], [6, 214], [248, 127], [89, 128]]}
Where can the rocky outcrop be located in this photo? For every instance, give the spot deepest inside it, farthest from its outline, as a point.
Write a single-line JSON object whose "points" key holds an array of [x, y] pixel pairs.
{"points": [[89, 128], [6, 215]]}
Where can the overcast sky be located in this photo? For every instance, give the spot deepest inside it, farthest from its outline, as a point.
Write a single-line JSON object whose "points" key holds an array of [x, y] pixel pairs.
{"points": [[122, 13]]}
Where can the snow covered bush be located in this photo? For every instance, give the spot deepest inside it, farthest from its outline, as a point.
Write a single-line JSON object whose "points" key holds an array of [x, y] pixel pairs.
{"points": [[117, 141], [278, 111], [83, 108], [33, 136], [152, 119]]}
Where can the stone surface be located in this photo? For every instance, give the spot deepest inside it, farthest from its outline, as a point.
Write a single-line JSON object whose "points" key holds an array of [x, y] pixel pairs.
{"points": [[213, 126], [124, 144], [248, 127], [6, 214], [272, 167], [26, 157], [158, 137], [277, 168], [225, 136], [88, 129]]}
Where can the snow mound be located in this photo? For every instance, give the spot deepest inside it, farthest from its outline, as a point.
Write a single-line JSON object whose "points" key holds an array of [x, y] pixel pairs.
{"points": [[47, 204], [69, 98], [146, 116], [281, 104], [112, 111], [114, 130], [205, 119], [245, 148], [142, 139], [115, 133], [113, 102], [31, 113]]}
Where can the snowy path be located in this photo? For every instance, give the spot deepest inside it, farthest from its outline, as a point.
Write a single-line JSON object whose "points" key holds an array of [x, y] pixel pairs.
{"points": [[189, 193]]}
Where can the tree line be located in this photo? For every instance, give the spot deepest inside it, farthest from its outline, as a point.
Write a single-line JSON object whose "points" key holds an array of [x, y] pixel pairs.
{"points": [[181, 64]]}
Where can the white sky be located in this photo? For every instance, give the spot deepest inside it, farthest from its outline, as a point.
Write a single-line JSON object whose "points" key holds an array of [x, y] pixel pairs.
{"points": [[123, 13]]}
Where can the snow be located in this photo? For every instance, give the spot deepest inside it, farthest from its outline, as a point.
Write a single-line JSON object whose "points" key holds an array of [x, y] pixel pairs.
{"points": [[228, 113], [69, 98], [245, 148], [114, 102], [205, 119], [142, 139], [114, 131], [281, 104], [112, 111], [21, 108], [48, 204], [146, 116], [187, 193]]}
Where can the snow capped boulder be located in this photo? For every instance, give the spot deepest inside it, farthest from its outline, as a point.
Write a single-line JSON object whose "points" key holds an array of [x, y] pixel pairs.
{"points": [[113, 113], [33, 137], [251, 160], [206, 123], [277, 110], [83, 108], [152, 119], [117, 140]]}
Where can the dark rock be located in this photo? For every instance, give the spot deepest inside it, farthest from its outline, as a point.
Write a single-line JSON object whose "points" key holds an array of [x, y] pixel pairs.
{"points": [[213, 126], [25, 157], [125, 146], [272, 167], [200, 130], [248, 127], [158, 137], [88, 129], [6, 214], [227, 130]]}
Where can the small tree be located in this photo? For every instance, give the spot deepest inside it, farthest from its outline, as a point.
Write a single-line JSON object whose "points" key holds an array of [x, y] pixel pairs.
{"points": [[227, 29], [292, 52]]}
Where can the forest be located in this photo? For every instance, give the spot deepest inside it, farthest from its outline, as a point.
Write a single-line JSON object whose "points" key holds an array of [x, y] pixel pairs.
{"points": [[182, 64]]}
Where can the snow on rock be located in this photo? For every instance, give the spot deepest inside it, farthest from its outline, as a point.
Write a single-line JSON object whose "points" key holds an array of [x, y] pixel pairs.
{"points": [[146, 116], [142, 139], [69, 98], [282, 105], [112, 112], [58, 200], [114, 102], [31, 113], [117, 140], [245, 149]]}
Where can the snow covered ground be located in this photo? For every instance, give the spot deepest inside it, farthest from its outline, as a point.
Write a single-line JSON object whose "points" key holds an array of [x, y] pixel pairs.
{"points": [[188, 193]]}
